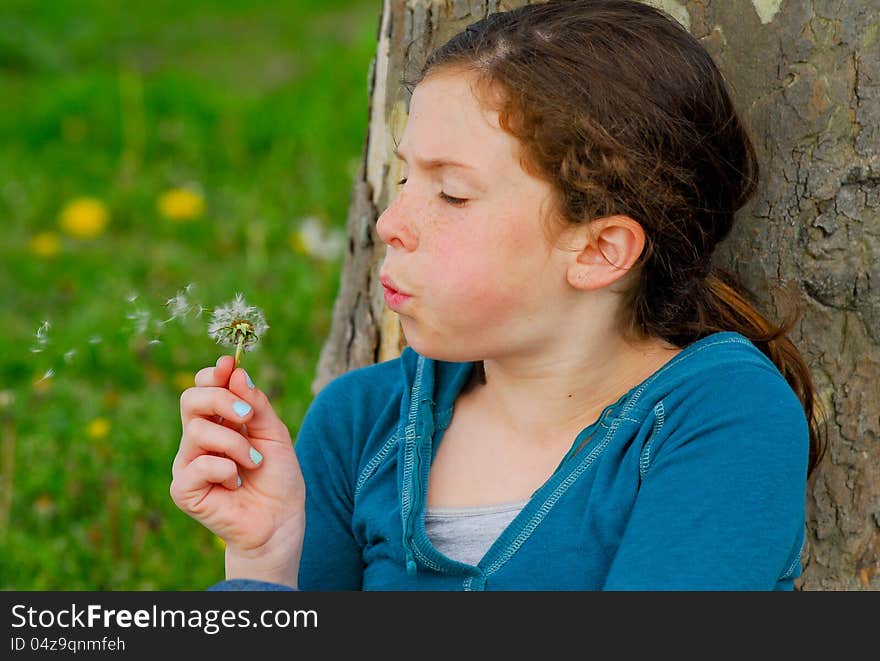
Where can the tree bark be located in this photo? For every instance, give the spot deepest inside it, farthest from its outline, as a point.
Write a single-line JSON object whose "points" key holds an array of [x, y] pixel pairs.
{"points": [[806, 75]]}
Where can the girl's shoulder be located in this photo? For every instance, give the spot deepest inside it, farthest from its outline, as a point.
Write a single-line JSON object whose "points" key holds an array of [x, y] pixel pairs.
{"points": [[351, 416], [716, 356], [718, 371], [720, 399], [363, 390]]}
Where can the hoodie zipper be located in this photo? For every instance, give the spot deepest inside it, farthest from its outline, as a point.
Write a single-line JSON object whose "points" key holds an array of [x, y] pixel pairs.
{"points": [[410, 476]]}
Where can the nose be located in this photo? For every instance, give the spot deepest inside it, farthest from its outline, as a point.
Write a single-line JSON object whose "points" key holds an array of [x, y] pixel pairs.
{"points": [[395, 227]]}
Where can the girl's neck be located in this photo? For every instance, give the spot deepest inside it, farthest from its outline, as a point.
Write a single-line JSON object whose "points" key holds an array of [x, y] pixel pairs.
{"points": [[550, 394]]}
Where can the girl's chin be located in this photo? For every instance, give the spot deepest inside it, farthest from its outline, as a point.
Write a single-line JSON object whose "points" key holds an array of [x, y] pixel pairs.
{"points": [[438, 347]]}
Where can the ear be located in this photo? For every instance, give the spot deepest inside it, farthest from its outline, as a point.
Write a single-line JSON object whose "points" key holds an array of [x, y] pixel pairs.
{"points": [[607, 250]]}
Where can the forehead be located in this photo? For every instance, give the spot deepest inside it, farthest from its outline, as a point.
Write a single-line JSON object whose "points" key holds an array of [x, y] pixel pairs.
{"points": [[447, 122]]}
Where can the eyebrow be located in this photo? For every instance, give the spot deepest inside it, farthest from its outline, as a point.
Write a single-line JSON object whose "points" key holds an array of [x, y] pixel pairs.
{"points": [[435, 163]]}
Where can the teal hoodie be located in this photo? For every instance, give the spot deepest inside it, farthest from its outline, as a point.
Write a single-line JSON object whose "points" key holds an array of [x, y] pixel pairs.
{"points": [[695, 479]]}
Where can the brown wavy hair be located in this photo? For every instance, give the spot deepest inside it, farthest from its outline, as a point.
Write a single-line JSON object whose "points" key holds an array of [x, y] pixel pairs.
{"points": [[625, 113]]}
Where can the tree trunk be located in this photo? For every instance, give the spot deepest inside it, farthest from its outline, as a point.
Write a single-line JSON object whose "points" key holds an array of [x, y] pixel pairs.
{"points": [[807, 79]]}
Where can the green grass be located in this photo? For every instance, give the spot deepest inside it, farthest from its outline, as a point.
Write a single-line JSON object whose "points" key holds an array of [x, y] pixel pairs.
{"points": [[260, 106]]}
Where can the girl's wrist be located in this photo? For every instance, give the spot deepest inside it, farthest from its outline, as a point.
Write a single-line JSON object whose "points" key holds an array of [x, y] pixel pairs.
{"points": [[275, 562]]}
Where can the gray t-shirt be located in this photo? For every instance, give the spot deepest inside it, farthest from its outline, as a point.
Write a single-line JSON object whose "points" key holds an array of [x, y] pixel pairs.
{"points": [[466, 533]]}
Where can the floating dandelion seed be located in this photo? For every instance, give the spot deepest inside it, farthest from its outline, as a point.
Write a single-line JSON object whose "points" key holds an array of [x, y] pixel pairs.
{"points": [[178, 306], [141, 319], [238, 324], [42, 335]]}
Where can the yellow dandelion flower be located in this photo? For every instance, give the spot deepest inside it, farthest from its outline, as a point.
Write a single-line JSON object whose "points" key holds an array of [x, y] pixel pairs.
{"points": [[84, 217], [183, 380], [297, 245], [98, 428], [181, 204], [45, 244]]}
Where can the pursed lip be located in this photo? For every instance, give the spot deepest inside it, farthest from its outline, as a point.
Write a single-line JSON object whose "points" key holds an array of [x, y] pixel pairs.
{"points": [[394, 297], [389, 284]]}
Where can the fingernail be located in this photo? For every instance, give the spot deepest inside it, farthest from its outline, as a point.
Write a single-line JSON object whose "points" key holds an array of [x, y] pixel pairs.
{"points": [[256, 457], [238, 481], [249, 382], [217, 364], [241, 408]]}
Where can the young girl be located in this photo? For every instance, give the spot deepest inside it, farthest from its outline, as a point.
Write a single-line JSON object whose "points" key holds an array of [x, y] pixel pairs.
{"points": [[584, 402]]}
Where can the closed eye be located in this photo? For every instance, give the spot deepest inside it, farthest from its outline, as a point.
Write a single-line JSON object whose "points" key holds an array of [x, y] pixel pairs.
{"points": [[454, 201]]}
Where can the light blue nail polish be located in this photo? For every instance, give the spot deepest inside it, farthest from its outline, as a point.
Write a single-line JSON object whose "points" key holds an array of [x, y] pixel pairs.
{"points": [[256, 457], [241, 408], [249, 382], [238, 481]]}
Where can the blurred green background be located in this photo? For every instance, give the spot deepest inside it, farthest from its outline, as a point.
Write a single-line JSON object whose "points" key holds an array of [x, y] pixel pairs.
{"points": [[152, 152]]}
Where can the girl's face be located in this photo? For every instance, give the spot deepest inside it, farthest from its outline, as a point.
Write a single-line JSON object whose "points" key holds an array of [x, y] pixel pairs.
{"points": [[469, 266]]}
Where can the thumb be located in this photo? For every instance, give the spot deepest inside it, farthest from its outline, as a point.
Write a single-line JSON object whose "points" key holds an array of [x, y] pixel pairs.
{"points": [[262, 421]]}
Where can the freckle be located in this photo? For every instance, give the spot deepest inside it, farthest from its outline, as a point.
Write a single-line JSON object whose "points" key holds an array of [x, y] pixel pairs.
{"points": [[569, 395]]}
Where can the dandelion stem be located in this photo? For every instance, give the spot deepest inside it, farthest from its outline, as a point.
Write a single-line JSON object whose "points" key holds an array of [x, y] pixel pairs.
{"points": [[238, 351]]}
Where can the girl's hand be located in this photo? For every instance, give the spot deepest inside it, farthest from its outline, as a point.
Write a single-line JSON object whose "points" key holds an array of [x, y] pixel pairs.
{"points": [[231, 433]]}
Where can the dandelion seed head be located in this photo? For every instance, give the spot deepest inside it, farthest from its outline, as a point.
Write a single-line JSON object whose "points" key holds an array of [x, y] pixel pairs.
{"points": [[237, 322], [312, 238]]}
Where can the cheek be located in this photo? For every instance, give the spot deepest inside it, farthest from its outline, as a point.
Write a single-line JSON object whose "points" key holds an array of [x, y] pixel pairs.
{"points": [[478, 281]]}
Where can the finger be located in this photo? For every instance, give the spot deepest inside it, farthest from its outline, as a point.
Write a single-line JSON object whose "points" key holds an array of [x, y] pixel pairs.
{"points": [[263, 423], [189, 489], [208, 401], [201, 436], [217, 375]]}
